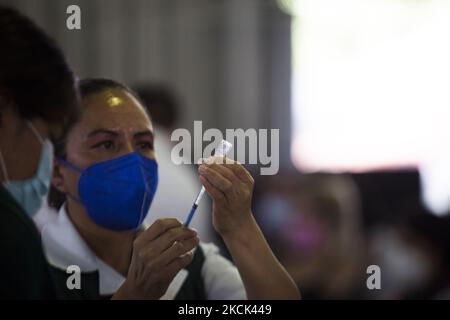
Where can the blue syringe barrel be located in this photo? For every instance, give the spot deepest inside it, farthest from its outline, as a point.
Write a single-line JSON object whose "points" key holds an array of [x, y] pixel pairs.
{"points": [[222, 149]]}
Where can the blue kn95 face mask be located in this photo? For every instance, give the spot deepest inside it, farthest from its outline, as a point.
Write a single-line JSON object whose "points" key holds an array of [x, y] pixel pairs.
{"points": [[117, 193]]}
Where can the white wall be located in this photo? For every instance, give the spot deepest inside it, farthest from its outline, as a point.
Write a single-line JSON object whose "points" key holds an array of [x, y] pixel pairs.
{"points": [[229, 60]]}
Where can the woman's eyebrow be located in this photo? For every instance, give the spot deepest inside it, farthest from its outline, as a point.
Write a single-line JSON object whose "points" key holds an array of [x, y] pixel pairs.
{"points": [[101, 131], [146, 133]]}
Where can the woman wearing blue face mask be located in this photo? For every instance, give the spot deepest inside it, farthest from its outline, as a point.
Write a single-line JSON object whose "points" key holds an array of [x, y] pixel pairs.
{"points": [[107, 171], [37, 100]]}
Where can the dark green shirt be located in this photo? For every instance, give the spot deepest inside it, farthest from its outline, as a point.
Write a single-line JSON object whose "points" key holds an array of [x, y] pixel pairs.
{"points": [[24, 271], [192, 288]]}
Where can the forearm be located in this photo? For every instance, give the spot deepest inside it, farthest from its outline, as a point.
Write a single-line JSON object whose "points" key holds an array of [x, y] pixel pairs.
{"points": [[263, 276]]}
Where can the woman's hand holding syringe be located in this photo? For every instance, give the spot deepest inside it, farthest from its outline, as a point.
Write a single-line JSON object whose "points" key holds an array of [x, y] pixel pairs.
{"points": [[230, 186]]}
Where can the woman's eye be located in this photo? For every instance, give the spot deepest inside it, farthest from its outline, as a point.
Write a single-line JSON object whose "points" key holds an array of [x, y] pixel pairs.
{"points": [[146, 145], [107, 145]]}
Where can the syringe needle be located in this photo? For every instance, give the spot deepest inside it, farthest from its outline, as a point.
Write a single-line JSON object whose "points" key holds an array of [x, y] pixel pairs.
{"points": [[221, 150]]}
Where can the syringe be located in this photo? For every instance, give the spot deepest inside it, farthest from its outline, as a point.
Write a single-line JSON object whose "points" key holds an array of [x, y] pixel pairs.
{"points": [[222, 149]]}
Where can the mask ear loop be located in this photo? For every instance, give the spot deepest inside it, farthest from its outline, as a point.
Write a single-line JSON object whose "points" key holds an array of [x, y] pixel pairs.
{"points": [[141, 218], [142, 215], [2, 162], [68, 164], [36, 133], [74, 168]]}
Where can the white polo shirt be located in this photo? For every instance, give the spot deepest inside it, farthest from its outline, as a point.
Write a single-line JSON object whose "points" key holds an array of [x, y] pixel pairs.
{"points": [[64, 247]]}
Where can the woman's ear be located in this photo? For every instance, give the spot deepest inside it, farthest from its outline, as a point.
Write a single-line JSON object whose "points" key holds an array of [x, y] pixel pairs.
{"points": [[57, 177]]}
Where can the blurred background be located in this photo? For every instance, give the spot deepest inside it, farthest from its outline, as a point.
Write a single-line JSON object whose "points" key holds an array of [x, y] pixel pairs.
{"points": [[359, 90]]}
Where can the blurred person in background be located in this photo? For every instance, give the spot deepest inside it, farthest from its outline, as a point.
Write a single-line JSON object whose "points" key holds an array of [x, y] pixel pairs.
{"points": [[164, 106], [414, 257], [38, 99], [316, 228], [105, 178]]}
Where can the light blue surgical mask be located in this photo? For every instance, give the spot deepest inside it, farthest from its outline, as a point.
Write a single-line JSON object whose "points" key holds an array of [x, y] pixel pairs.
{"points": [[29, 193]]}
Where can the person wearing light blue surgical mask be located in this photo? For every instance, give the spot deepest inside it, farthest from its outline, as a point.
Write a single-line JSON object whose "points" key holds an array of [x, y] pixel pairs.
{"points": [[38, 101], [29, 193]]}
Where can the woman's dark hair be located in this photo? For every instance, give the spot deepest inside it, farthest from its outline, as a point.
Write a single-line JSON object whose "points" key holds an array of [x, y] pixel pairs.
{"points": [[86, 87], [34, 75], [92, 86], [162, 103]]}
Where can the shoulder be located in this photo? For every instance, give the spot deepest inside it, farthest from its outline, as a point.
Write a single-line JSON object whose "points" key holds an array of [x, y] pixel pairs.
{"points": [[220, 276], [209, 248], [211, 276], [13, 220], [77, 286], [212, 255], [26, 273], [18, 234]]}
